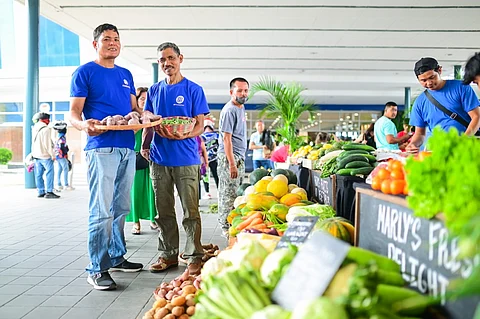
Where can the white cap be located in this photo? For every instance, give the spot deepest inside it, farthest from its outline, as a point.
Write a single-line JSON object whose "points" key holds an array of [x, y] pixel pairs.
{"points": [[208, 122]]}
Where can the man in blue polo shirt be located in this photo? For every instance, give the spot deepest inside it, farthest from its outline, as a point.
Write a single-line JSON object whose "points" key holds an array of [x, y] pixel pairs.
{"points": [[456, 97], [385, 130], [175, 161], [472, 70], [98, 89]]}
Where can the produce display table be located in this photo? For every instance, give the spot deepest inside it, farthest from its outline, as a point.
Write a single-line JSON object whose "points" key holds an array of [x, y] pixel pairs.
{"points": [[323, 190], [385, 225]]}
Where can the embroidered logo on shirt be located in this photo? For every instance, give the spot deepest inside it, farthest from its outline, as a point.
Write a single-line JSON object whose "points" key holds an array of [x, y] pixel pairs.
{"points": [[179, 101], [125, 84]]}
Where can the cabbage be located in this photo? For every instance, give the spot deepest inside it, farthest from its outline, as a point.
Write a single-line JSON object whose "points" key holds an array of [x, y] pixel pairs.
{"points": [[248, 251], [215, 266], [322, 211], [271, 312], [276, 264], [320, 308]]}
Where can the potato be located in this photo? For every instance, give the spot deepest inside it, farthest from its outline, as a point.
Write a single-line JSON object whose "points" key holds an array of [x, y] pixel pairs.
{"points": [[161, 313], [177, 283], [176, 290], [160, 303], [147, 316], [184, 316], [164, 285], [169, 306], [190, 302], [190, 289], [190, 310], [177, 311], [186, 283], [170, 316], [190, 296], [169, 295], [178, 301], [133, 121]]}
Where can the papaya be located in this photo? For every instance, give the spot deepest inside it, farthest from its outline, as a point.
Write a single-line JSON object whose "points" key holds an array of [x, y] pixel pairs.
{"points": [[279, 210], [260, 202], [290, 199]]}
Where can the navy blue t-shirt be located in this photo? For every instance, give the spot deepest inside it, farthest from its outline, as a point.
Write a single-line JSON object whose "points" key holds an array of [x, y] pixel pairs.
{"points": [[108, 92], [455, 96], [184, 98]]}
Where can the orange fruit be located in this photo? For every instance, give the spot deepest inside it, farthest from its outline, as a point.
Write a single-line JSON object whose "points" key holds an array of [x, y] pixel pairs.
{"points": [[397, 187], [397, 174], [394, 165], [405, 190], [385, 187], [376, 183], [383, 174]]}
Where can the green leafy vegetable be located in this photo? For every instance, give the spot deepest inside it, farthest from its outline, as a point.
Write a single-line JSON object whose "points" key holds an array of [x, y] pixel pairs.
{"points": [[320, 308], [276, 264], [271, 312]]}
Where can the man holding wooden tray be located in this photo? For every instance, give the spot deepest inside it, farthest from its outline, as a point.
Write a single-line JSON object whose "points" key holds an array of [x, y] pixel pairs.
{"points": [[100, 89]]}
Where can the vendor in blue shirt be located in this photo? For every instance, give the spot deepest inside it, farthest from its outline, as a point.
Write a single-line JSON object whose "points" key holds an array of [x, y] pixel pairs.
{"points": [[452, 94], [385, 131], [99, 89], [175, 161], [472, 70]]}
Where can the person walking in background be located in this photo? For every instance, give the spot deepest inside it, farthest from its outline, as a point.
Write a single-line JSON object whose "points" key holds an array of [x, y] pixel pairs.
{"points": [[43, 154], [175, 161], [261, 150], [143, 196], [368, 137], [98, 89], [202, 152], [61, 157], [210, 138], [406, 131], [472, 70], [385, 130], [231, 150]]}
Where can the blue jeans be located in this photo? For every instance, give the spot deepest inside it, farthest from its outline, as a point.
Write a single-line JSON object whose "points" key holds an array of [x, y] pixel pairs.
{"points": [[42, 166], [62, 168], [265, 163], [110, 178]]}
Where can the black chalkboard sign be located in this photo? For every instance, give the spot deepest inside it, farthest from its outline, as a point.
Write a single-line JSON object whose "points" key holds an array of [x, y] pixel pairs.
{"points": [[298, 231], [422, 247], [311, 270], [322, 189]]}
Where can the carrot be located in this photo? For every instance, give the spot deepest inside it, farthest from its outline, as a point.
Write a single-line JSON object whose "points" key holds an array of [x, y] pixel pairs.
{"points": [[280, 233], [269, 223], [261, 226], [248, 221]]}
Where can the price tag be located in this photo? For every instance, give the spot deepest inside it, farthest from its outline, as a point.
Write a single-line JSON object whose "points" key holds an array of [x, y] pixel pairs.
{"points": [[311, 271], [298, 231]]}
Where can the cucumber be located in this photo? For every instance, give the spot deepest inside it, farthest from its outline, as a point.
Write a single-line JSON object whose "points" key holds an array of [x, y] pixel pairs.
{"points": [[357, 164], [345, 171], [371, 158], [347, 153], [344, 161], [358, 146], [361, 171]]}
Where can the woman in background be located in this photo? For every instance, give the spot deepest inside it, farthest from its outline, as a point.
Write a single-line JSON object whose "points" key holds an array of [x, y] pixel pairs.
{"points": [[143, 198]]}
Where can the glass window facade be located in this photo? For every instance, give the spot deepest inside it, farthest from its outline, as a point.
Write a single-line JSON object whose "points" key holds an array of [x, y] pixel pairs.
{"points": [[12, 113], [58, 46]]}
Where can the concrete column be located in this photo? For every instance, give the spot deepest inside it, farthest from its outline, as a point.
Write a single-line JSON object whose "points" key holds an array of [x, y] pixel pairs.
{"points": [[408, 98], [31, 95], [155, 72]]}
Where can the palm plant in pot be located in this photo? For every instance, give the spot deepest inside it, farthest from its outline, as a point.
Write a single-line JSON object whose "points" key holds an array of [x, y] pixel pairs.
{"points": [[284, 100]]}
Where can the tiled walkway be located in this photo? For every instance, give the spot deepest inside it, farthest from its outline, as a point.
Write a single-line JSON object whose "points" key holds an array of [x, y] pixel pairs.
{"points": [[43, 256]]}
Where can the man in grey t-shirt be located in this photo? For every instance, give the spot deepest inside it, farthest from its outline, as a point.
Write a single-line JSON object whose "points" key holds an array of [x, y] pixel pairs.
{"points": [[231, 150]]}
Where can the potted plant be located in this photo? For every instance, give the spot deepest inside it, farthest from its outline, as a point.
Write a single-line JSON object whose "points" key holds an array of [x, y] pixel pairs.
{"points": [[5, 157], [285, 100]]}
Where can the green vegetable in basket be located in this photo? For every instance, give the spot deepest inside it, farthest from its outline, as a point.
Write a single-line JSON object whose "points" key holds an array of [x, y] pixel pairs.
{"points": [[175, 121]]}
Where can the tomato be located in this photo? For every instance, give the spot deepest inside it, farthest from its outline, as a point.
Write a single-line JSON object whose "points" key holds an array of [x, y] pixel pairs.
{"points": [[405, 190], [383, 174], [397, 174], [397, 187], [376, 183], [385, 187]]}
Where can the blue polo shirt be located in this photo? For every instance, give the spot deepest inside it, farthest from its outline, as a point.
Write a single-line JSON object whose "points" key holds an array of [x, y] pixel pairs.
{"points": [[108, 92], [185, 98], [383, 127], [455, 96]]}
